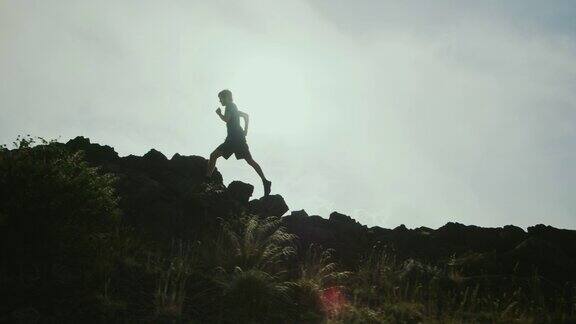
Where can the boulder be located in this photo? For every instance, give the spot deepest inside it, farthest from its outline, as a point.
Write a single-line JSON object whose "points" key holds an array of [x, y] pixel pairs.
{"points": [[273, 205], [240, 191], [341, 218], [299, 213], [155, 158], [93, 153]]}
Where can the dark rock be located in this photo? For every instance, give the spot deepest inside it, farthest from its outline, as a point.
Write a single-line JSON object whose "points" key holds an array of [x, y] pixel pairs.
{"points": [[169, 199], [401, 228], [192, 167], [424, 230], [341, 218], [240, 191], [299, 213], [563, 238], [155, 157], [514, 230], [273, 205], [93, 153]]}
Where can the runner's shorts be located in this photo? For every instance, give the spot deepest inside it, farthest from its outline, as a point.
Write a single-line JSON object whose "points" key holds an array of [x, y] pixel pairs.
{"points": [[237, 146]]}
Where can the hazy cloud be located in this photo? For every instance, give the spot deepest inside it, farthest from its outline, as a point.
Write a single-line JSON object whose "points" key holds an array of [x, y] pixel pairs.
{"points": [[414, 112]]}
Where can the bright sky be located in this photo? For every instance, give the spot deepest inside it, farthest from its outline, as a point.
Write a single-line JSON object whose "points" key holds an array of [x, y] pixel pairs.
{"points": [[394, 112]]}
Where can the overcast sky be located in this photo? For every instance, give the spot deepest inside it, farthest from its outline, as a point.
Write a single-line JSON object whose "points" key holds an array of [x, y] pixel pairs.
{"points": [[394, 112]]}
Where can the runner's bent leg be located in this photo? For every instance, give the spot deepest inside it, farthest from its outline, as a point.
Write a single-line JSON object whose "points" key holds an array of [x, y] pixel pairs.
{"points": [[212, 163]]}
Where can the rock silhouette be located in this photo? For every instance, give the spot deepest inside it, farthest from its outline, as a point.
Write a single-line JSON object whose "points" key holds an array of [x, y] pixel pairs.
{"points": [[89, 234], [165, 198]]}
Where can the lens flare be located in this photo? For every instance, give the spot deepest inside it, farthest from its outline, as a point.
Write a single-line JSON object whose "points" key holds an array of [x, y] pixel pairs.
{"points": [[333, 301]]}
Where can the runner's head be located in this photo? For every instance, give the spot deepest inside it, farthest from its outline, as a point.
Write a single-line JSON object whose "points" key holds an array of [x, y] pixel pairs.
{"points": [[225, 97]]}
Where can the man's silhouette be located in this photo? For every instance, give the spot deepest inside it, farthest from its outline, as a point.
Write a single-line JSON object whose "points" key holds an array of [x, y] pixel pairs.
{"points": [[235, 140]]}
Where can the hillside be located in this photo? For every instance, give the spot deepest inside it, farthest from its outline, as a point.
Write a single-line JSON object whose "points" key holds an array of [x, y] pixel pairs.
{"points": [[155, 198], [382, 275]]}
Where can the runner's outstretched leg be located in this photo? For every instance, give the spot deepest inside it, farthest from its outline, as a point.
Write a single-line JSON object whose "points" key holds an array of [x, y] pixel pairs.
{"points": [[267, 184]]}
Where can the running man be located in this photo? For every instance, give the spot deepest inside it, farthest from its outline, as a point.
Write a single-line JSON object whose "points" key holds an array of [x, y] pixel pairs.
{"points": [[235, 140]]}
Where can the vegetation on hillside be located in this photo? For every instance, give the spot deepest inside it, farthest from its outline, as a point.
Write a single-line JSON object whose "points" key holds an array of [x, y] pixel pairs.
{"points": [[67, 255]]}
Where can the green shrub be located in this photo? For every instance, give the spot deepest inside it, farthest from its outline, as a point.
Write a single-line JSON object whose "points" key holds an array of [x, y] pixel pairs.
{"points": [[56, 215], [253, 243]]}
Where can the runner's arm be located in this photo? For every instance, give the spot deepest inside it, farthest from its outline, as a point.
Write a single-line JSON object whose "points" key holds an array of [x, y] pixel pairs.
{"points": [[246, 121], [222, 116]]}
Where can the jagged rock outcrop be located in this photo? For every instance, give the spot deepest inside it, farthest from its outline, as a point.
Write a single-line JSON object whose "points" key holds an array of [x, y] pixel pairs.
{"points": [[167, 198]]}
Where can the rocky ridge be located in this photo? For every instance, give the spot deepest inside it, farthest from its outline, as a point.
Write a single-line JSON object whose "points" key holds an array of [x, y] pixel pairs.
{"points": [[167, 199]]}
